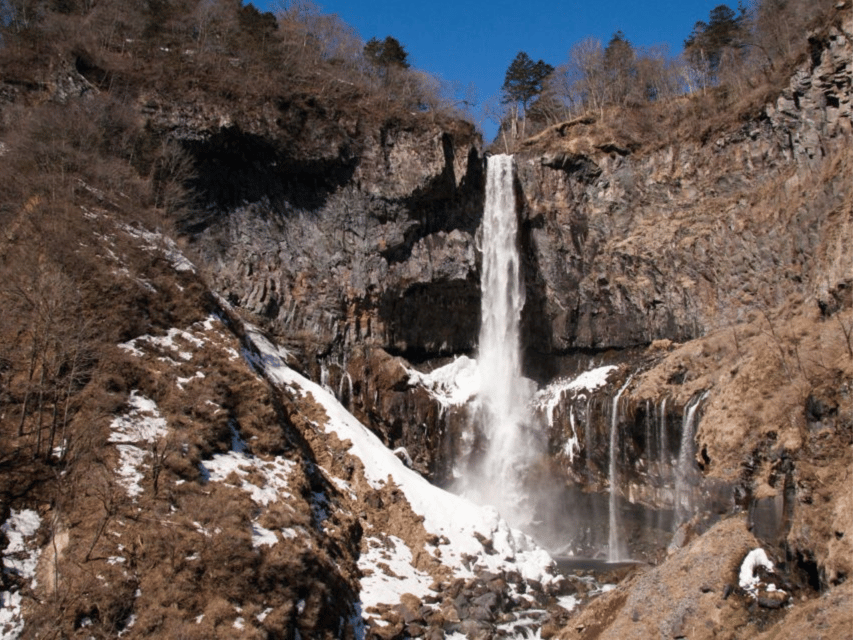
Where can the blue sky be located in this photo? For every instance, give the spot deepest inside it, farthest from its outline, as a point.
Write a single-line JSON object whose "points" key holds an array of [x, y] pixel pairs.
{"points": [[474, 41]]}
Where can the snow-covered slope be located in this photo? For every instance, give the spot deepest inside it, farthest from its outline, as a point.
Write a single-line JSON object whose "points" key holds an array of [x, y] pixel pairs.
{"points": [[460, 525]]}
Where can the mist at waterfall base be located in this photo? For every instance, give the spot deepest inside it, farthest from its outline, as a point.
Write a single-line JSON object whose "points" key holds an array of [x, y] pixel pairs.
{"points": [[508, 459]]}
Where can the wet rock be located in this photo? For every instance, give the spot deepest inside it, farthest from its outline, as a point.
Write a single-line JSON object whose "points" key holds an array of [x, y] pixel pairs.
{"points": [[434, 634], [772, 599], [394, 631]]}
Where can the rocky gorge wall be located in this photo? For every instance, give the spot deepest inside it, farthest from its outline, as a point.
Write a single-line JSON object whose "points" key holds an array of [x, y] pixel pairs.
{"points": [[624, 248], [711, 270], [706, 266], [369, 249]]}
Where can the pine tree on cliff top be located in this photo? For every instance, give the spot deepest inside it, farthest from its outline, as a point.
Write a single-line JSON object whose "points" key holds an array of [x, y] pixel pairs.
{"points": [[386, 53], [524, 79]]}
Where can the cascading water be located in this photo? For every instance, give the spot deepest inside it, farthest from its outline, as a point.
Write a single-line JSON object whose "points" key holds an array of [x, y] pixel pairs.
{"points": [[663, 443], [663, 458], [615, 550], [685, 471], [496, 477]]}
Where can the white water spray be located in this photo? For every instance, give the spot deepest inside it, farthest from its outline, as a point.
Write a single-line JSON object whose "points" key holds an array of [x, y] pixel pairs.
{"points": [[504, 395], [615, 552]]}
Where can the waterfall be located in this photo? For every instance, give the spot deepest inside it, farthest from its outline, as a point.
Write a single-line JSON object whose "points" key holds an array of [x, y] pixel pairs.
{"points": [[648, 421], [324, 377], [615, 552], [684, 471], [663, 444], [663, 461], [496, 478]]}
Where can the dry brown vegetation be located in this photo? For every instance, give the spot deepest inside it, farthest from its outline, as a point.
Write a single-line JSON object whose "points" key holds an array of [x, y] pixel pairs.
{"points": [[221, 50], [79, 167], [649, 98], [83, 179]]}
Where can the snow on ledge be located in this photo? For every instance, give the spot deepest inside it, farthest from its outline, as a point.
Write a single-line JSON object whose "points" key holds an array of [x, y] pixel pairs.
{"points": [[132, 433], [378, 587], [748, 581], [19, 558], [453, 384]]}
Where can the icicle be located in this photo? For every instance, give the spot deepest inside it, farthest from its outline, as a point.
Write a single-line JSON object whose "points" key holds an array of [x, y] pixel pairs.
{"points": [[345, 379], [588, 434], [663, 443]]}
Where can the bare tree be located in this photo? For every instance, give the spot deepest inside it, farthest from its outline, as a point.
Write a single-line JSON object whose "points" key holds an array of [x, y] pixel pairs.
{"points": [[587, 73]]}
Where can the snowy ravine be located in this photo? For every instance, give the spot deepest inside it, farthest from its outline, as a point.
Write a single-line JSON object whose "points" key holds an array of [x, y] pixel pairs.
{"points": [[459, 526]]}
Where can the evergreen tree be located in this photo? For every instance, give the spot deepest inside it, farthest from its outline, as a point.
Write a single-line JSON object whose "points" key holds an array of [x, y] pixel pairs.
{"points": [[725, 29], [620, 67], [524, 79], [386, 53]]}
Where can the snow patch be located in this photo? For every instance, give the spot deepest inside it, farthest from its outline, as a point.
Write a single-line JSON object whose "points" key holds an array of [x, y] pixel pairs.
{"points": [[166, 342], [550, 397], [182, 381], [269, 478], [157, 241], [19, 558], [379, 586], [453, 384], [748, 581], [142, 425]]}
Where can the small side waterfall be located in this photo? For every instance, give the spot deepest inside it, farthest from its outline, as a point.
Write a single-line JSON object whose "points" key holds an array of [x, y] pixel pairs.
{"points": [[663, 444], [504, 397], [615, 548], [685, 470]]}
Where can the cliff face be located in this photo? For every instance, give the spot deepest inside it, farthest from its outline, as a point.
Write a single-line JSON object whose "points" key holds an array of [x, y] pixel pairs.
{"points": [[371, 244], [713, 273], [717, 273], [626, 248]]}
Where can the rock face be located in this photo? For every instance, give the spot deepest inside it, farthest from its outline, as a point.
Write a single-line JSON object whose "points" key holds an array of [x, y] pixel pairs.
{"points": [[731, 247], [368, 246], [714, 273], [701, 585], [348, 254], [627, 248]]}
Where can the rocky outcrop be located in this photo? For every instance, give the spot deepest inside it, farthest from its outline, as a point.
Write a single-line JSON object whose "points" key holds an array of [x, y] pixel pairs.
{"points": [[377, 250], [699, 593], [627, 247]]}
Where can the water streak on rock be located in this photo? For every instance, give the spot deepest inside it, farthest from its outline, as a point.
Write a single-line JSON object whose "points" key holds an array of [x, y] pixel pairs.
{"points": [[615, 547], [685, 471]]}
